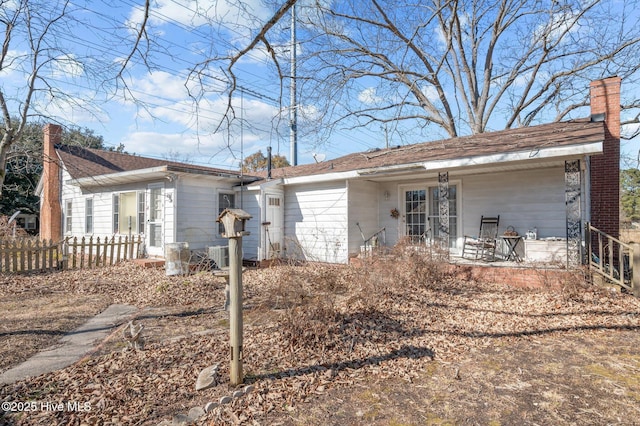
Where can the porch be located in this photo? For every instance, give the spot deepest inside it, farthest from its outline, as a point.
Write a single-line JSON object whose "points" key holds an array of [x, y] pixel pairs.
{"points": [[553, 263]]}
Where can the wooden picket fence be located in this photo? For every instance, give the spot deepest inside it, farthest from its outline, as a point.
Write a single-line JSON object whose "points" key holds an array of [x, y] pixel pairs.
{"points": [[89, 253], [27, 255]]}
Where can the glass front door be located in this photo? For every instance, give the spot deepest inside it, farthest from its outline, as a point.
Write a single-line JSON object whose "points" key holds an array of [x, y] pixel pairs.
{"points": [[422, 214], [415, 215], [156, 218]]}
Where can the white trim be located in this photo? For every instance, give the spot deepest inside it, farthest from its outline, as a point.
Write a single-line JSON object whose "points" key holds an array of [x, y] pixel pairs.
{"points": [[154, 172], [261, 186], [326, 177], [159, 172], [397, 168], [573, 151], [559, 151]]}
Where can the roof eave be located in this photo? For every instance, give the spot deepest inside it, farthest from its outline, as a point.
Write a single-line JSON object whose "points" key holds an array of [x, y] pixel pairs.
{"points": [[159, 172], [592, 148]]}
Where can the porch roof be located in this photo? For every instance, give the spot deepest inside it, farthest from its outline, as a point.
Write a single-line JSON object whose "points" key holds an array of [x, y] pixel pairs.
{"points": [[561, 139]]}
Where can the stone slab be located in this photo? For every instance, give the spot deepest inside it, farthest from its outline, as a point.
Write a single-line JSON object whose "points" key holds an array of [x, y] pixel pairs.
{"points": [[72, 346]]}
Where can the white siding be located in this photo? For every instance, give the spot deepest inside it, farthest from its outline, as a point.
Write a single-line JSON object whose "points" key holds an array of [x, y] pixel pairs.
{"points": [[388, 202], [523, 199], [364, 198], [251, 243], [316, 222], [169, 231], [196, 213], [73, 194]]}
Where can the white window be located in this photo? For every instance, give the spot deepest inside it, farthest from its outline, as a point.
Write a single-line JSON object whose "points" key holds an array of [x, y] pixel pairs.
{"points": [[116, 213], [128, 213], [141, 206], [68, 217], [88, 216]]}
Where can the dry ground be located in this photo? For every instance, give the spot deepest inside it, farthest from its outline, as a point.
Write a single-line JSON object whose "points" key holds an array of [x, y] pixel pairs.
{"points": [[398, 341]]}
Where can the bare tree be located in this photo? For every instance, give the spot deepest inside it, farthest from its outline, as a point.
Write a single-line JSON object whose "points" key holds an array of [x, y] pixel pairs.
{"points": [[47, 70], [451, 67], [465, 66]]}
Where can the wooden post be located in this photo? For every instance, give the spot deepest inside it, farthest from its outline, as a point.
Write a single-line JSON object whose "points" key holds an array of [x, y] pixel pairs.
{"points": [[234, 229], [635, 258], [235, 311]]}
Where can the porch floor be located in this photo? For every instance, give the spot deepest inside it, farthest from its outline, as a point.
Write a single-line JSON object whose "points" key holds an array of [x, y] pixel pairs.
{"points": [[499, 263], [149, 262]]}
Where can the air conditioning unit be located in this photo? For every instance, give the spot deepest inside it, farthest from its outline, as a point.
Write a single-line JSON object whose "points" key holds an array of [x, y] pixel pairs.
{"points": [[220, 255]]}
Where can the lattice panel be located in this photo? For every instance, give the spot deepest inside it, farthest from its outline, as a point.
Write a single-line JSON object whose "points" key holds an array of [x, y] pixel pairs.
{"points": [[573, 197], [443, 204]]}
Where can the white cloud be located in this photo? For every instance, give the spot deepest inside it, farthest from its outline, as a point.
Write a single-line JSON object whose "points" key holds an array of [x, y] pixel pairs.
{"points": [[160, 84], [368, 96], [630, 129], [12, 62], [560, 24], [213, 149], [194, 14], [67, 66], [71, 109], [309, 112], [430, 92]]}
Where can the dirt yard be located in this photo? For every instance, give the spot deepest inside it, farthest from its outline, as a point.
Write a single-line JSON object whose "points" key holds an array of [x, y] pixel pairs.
{"points": [[397, 341]]}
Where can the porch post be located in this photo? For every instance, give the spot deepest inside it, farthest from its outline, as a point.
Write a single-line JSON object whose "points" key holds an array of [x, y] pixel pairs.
{"points": [[443, 208], [635, 268], [574, 212]]}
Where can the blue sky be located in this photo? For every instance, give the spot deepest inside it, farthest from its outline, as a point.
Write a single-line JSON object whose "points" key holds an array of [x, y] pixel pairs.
{"points": [[164, 121]]}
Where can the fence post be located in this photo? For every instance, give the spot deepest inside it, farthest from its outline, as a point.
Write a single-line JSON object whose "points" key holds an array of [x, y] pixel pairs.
{"points": [[82, 252], [118, 257], [64, 245], [635, 265]]}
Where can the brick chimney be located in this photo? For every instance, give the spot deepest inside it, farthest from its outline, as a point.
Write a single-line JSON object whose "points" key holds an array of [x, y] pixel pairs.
{"points": [[605, 169], [50, 208]]}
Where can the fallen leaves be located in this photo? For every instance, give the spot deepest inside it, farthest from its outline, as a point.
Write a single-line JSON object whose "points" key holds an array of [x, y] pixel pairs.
{"points": [[308, 330]]}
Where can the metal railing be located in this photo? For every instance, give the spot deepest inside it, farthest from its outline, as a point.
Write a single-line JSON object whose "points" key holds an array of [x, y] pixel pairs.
{"points": [[610, 257], [376, 239]]}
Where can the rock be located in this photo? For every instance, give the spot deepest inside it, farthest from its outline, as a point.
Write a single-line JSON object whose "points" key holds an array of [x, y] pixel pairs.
{"points": [[225, 399], [248, 388], [180, 420], [210, 406], [207, 378], [196, 412], [237, 394]]}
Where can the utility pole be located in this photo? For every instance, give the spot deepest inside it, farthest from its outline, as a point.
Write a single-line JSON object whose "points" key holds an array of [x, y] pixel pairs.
{"points": [[293, 111]]}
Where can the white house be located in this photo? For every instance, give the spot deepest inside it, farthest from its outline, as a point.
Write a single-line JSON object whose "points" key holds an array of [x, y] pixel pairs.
{"points": [[87, 192], [551, 177]]}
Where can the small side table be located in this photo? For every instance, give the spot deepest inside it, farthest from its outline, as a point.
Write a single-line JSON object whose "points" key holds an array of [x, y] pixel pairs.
{"points": [[512, 242]]}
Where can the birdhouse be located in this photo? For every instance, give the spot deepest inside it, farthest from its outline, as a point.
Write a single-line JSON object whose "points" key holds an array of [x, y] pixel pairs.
{"points": [[234, 222]]}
